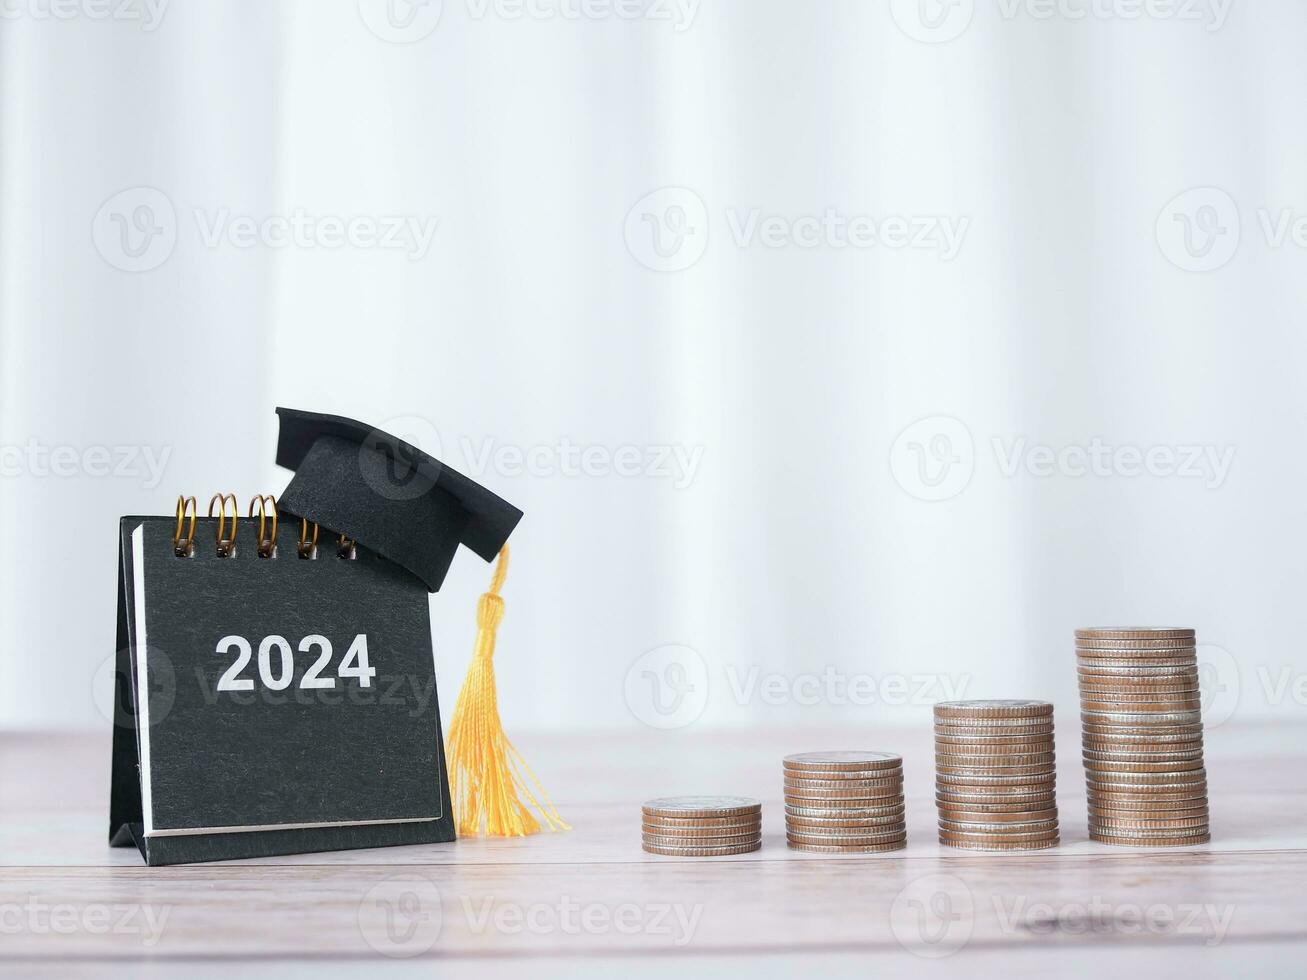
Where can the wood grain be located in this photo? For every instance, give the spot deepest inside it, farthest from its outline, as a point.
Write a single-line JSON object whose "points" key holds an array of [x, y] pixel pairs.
{"points": [[70, 904]]}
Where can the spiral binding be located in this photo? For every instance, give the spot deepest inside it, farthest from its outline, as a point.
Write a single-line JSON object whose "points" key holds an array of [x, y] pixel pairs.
{"points": [[265, 546]]}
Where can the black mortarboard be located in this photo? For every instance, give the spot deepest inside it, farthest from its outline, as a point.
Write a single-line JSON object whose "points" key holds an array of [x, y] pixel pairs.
{"points": [[387, 495]]}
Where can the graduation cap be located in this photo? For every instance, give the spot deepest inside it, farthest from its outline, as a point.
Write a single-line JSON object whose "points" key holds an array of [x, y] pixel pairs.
{"points": [[387, 495], [412, 509]]}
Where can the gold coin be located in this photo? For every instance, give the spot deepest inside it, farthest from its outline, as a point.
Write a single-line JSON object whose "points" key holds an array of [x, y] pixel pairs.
{"points": [[974, 827], [842, 775], [672, 851], [1165, 718], [842, 813], [994, 726], [968, 710], [971, 845], [994, 743], [944, 779], [703, 823], [1141, 731], [990, 805], [1103, 838], [1134, 633], [1111, 824], [990, 762], [1123, 800], [842, 784], [848, 849], [1118, 661], [878, 834], [1142, 707], [1174, 808], [816, 823], [661, 840], [701, 806], [842, 840], [701, 833], [859, 798], [1097, 768], [839, 761], [981, 816], [1137, 643], [1005, 769], [1161, 754]]}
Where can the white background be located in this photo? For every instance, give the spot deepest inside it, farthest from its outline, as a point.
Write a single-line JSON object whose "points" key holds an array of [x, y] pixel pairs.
{"points": [[799, 545]]}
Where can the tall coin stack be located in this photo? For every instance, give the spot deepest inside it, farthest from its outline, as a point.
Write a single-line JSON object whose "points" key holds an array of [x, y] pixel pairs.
{"points": [[1142, 736], [844, 802], [995, 784], [701, 826]]}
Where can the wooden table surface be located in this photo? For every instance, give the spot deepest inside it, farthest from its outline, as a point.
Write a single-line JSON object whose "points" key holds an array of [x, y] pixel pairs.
{"points": [[591, 899]]}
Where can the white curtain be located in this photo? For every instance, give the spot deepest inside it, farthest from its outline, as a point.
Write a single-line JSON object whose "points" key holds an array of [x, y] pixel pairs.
{"points": [[722, 294]]}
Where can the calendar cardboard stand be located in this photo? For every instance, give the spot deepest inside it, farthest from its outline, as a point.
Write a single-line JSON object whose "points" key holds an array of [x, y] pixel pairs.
{"points": [[275, 682]]}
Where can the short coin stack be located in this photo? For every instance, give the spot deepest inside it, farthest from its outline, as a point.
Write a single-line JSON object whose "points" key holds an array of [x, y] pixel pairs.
{"points": [[701, 826], [1142, 736], [844, 802], [994, 775]]}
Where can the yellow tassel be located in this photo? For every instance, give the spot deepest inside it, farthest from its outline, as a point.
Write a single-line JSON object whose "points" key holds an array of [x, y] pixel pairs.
{"points": [[487, 776]]}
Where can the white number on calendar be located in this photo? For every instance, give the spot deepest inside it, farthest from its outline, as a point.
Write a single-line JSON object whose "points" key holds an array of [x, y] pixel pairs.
{"points": [[276, 664]]}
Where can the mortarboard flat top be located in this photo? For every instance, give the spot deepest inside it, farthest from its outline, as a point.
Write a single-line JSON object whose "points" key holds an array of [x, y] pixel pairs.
{"points": [[387, 495]]}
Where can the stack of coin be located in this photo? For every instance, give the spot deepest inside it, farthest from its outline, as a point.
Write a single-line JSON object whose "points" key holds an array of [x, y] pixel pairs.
{"points": [[702, 826], [1143, 736], [844, 802], [994, 775]]}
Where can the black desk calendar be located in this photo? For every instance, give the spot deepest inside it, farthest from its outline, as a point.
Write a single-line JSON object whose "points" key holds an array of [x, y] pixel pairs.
{"points": [[279, 698]]}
